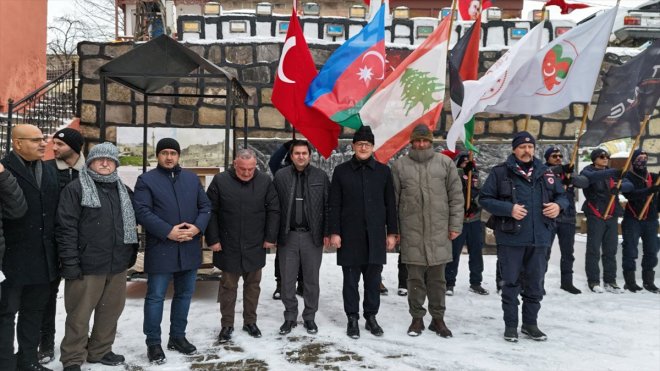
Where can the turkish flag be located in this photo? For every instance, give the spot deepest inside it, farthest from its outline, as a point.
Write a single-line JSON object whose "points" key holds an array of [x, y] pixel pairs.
{"points": [[566, 7], [294, 74]]}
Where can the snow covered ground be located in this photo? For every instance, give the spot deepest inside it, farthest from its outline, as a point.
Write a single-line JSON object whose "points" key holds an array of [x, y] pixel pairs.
{"points": [[586, 332]]}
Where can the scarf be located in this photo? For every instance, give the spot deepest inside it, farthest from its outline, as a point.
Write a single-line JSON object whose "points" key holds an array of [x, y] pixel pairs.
{"points": [[90, 198]]}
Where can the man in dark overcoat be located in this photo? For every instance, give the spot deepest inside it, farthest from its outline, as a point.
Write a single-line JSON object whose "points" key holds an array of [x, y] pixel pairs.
{"points": [[362, 226], [30, 262], [245, 218]]}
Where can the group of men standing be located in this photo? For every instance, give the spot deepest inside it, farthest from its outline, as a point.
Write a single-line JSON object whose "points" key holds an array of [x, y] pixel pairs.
{"points": [[87, 221]]}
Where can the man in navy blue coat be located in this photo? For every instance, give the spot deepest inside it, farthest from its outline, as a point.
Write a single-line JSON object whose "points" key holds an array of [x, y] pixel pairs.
{"points": [[524, 197], [172, 206]]}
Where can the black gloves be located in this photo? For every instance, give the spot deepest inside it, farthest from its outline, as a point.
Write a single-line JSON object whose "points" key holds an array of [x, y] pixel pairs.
{"points": [[566, 181], [71, 272], [568, 168], [654, 189], [469, 166], [614, 191]]}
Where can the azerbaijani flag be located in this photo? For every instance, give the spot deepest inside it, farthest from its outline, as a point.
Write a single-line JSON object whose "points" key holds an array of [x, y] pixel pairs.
{"points": [[351, 74], [411, 95]]}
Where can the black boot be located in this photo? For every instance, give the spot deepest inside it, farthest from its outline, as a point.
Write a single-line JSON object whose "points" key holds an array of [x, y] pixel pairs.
{"points": [[372, 325], [630, 284], [353, 329], [648, 278], [155, 354], [181, 345], [568, 287]]}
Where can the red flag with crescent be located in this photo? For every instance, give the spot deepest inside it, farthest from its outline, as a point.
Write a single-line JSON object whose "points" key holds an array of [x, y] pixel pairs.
{"points": [[295, 72]]}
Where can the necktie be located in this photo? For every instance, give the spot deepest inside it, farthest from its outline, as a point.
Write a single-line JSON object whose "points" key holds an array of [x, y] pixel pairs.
{"points": [[299, 200]]}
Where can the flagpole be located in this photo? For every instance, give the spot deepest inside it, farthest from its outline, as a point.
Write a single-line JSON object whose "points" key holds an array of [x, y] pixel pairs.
{"points": [[470, 153], [530, 116], [451, 24], [625, 168], [576, 147], [649, 198]]}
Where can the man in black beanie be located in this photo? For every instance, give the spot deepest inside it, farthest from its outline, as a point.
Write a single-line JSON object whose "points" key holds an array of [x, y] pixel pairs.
{"points": [[362, 222], [524, 198], [68, 162]]}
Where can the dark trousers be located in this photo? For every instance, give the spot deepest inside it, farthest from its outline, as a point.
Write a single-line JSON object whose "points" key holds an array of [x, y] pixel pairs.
{"points": [[516, 262], [29, 302], [472, 235], [371, 275], [300, 251], [633, 230], [227, 296], [403, 274], [48, 321], [601, 233], [566, 234], [426, 282], [278, 274]]}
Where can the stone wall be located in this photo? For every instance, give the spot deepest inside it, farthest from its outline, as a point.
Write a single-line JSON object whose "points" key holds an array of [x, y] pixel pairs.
{"points": [[256, 64]]}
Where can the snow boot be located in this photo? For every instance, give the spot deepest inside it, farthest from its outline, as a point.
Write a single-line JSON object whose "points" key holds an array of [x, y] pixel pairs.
{"points": [[416, 327], [630, 284], [533, 332], [568, 287], [613, 287], [511, 334], [438, 326], [648, 278]]}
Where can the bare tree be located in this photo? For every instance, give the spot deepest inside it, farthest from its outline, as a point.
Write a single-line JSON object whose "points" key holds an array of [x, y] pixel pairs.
{"points": [[99, 18], [65, 34]]}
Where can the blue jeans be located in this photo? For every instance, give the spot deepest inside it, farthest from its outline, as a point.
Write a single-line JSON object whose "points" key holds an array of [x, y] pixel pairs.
{"points": [[633, 230], [184, 286]]}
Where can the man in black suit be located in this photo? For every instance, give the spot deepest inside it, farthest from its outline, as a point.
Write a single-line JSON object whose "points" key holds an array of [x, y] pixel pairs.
{"points": [[30, 262]]}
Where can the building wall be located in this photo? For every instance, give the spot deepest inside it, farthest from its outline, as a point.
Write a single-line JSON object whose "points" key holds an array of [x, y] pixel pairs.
{"points": [[256, 65], [22, 48]]}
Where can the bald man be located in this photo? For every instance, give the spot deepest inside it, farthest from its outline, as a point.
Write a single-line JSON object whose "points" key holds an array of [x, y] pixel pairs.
{"points": [[30, 262]]}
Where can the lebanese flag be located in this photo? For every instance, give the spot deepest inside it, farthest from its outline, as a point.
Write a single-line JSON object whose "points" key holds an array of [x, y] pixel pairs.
{"points": [[487, 90], [566, 7], [351, 74], [562, 72], [411, 95], [295, 72]]}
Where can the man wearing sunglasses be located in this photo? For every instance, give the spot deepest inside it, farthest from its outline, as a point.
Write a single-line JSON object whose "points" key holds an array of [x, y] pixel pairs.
{"points": [[565, 228], [602, 228], [639, 223]]}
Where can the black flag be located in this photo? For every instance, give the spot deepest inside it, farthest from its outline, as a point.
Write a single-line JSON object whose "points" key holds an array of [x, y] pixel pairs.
{"points": [[629, 92]]}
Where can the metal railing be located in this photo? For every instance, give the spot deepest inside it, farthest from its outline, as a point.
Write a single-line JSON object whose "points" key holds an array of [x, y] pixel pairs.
{"points": [[48, 107]]}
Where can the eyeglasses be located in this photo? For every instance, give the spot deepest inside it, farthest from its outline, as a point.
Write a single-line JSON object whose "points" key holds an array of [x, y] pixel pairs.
{"points": [[602, 157], [557, 156], [36, 140], [364, 144]]}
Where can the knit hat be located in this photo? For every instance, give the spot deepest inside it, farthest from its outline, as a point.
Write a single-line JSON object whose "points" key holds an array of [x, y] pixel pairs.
{"points": [[421, 131], [71, 137], [103, 150], [521, 138], [550, 151], [364, 134], [596, 153], [638, 152], [168, 143]]}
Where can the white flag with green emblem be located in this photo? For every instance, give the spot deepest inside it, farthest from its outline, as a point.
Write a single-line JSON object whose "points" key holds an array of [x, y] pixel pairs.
{"points": [[411, 95]]}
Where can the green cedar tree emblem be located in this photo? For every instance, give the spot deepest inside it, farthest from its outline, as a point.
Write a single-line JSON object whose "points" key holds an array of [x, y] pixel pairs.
{"points": [[418, 87]]}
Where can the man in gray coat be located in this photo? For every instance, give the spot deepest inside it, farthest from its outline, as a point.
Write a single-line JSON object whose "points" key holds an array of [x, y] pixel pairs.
{"points": [[303, 193], [429, 197]]}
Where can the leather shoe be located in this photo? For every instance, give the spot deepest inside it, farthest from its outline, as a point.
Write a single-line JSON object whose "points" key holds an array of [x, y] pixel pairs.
{"points": [[156, 354], [253, 330], [181, 345], [416, 327], [373, 326], [225, 334], [287, 326], [438, 326], [110, 359], [34, 366], [353, 329], [310, 326]]}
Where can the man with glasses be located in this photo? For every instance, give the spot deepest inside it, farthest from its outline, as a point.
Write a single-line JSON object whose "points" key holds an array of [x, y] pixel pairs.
{"points": [[602, 226], [565, 228], [362, 226], [30, 263], [639, 185]]}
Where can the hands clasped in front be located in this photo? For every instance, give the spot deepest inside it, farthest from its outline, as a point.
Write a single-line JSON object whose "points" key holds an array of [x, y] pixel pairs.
{"points": [[183, 232]]}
